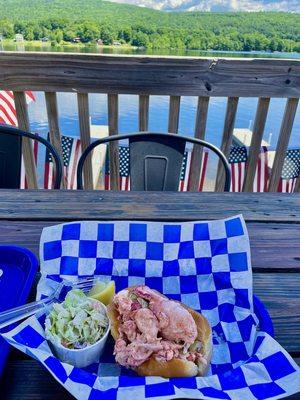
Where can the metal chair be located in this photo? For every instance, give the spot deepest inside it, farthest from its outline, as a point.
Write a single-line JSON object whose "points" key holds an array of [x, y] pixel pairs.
{"points": [[155, 159], [11, 156]]}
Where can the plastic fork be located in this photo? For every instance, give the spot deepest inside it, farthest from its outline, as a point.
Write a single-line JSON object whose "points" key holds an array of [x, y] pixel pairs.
{"points": [[60, 290]]}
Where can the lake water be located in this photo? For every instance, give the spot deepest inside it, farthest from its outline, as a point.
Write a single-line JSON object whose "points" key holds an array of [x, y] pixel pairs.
{"points": [[158, 118]]}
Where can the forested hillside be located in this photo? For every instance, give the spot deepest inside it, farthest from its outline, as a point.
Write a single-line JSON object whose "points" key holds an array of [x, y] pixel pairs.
{"points": [[96, 19]]}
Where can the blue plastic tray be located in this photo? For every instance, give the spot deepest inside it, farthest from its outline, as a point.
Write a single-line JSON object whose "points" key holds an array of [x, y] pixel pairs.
{"points": [[18, 267], [265, 322]]}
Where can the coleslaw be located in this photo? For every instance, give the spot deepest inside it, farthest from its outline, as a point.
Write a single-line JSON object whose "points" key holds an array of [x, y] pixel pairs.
{"points": [[76, 323]]}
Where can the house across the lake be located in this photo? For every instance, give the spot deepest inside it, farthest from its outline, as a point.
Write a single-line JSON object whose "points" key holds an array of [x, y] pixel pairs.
{"points": [[19, 37]]}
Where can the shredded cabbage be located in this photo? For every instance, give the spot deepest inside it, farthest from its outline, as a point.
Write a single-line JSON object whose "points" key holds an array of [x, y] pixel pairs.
{"points": [[77, 322]]}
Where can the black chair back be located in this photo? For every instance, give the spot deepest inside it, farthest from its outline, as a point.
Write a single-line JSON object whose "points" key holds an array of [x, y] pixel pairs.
{"points": [[10, 161], [11, 153], [155, 162]]}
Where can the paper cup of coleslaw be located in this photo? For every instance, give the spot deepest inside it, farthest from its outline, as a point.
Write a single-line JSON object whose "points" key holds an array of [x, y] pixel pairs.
{"points": [[77, 329]]}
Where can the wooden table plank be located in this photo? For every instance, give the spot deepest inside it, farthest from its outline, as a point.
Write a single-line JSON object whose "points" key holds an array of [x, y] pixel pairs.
{"points": [[168, 206], [274, 246], [281, 296]]}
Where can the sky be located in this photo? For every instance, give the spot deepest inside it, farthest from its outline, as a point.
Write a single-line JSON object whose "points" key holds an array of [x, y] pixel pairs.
{"points": [[218, 5]]}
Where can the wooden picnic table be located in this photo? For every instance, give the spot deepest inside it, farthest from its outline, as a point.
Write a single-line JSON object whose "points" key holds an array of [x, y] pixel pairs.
{"points": [[273, 222]]}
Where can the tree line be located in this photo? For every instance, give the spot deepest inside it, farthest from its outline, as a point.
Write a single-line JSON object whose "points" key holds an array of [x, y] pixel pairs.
{"points": [[95, 19]]}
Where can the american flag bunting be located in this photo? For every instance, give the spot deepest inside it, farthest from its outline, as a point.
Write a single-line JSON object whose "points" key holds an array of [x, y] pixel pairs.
{"points": [[290, 171], [237, 159], [8, 113]]}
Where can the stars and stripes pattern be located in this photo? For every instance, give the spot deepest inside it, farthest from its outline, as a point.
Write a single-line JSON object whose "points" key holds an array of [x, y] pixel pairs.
{"points": [[71, 148], [185, 175], [261, 178], [124, 170], [238, 158], [8, 116], [290, 171], [71, 152], [8, 113]]}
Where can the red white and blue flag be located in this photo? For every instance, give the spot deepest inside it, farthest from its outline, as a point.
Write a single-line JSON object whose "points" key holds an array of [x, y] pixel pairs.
{"points": [[290, 171], [8, 113], [238, 158], [71, 152]]}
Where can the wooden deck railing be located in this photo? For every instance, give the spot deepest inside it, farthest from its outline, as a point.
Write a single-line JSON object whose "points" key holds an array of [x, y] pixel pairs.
{"points": [[146, 76]]}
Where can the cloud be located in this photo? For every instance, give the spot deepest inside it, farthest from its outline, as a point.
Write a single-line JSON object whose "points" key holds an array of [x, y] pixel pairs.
{"points": [[218, 5]]}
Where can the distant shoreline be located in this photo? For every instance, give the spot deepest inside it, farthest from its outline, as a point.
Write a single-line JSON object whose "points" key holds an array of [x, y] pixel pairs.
{"points": [[125, 48], [40, 43]]}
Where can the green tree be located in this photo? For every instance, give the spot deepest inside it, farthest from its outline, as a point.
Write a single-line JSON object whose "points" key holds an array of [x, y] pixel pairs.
{"points": [[140, 39], [29, 33], [69, 35], [125, 34], [6, 29], [107, 35], [58, 36]]}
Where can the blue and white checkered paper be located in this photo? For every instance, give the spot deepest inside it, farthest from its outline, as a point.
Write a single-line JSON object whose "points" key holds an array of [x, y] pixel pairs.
{"points": [[207, 266]]}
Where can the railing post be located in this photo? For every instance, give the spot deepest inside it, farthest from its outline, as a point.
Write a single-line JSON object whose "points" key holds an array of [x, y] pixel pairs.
{"points": [[113, 119], [85, 137], [174, 110], [255, 147], [232, 104], [27, 150], [143, 112], [54, 131], [200, 126], [283, 141]]}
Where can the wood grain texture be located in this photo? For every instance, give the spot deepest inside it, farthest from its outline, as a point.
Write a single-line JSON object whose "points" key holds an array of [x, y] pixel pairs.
{"points": [[281, 296], [274, 246], [231, 109], [200, 126], [113, 128], [163, 206], [283, 141], [27, 148], [85, 137], [143, 112], [150, 75], [174, 110], [53, 122], [255, 147], [297, 186]]}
